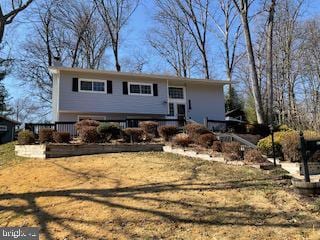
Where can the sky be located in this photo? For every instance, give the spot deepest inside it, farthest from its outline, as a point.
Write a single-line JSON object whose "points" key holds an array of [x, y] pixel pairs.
{"points": [[134, 39]]}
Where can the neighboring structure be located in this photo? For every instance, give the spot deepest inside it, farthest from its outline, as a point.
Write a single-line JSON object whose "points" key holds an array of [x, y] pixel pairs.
{"points": [[236, 115], [7, 129], [103, 95]]}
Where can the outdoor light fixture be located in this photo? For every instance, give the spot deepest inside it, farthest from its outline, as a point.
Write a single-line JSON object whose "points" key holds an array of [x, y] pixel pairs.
{"points": [[242, 149]]}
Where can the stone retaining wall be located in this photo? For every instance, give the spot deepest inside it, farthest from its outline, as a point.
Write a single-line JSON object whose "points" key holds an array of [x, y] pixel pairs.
{"points": [[44, 151]]}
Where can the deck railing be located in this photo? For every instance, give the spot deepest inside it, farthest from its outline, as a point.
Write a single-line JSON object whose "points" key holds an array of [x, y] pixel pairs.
{"points": [[70, 126]]}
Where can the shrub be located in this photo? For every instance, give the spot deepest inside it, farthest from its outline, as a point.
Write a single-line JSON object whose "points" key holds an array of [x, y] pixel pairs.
{"points": [[149, 127], [231, 156], [206, 140], [290, 144], [61, 137], [231, 147], [182, 140], [216, 146], [147, 137], [265, 144], [26, 137], [194, 130], [86, 123], [133, 134], [108, 131], [167, 132], [254, 156], [283, 128], [45, 135], [89, 134]]}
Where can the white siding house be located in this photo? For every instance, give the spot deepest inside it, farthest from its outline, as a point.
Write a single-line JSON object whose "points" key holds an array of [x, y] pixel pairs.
{"points": [[103, 95]]}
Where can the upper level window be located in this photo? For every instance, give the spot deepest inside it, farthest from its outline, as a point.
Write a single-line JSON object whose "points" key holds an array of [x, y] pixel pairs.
{"points": [[92, 86], [140, 89], [176, 93]]}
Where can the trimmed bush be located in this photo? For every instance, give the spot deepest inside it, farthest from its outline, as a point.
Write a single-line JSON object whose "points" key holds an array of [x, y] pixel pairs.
{"points": [[26, 137], [182, 140], [290, 144], [89, 134], [108, 131], [133, 134], [86, 123], [194, 130], [206, 140], [149, 127], [46, 135], [283, 128], [231, 147], [167, 132], [147, 137], [254, 156], [61, 137], [217, 146], [231, 156], [265, 144]]}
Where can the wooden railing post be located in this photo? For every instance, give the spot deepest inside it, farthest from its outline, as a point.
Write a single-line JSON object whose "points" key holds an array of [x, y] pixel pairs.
{"points": [[205, 122]]}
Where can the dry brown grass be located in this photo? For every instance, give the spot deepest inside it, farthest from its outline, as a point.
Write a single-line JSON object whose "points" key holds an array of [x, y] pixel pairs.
{"points": [[151, 196]]}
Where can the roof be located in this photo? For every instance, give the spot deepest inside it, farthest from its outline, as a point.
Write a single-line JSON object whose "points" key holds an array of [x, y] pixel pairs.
{"points": [[9, 120], [138, 75]]}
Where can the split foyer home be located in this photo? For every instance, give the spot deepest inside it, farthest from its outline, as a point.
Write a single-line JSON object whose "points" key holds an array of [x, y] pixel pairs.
{"points": [[105, 95]]}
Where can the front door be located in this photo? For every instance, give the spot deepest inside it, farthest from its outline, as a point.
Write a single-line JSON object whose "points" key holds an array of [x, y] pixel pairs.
{"points": [[181, 113]]}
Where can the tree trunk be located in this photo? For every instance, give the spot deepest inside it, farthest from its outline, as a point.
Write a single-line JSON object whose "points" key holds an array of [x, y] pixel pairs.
{"points": [[253, 71]]}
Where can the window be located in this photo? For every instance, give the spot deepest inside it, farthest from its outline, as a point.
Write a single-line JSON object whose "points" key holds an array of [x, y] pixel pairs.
{"points": [[86, 86], [140, 89], [92, 86], [171, 110], [98, 86], [176, 93], [3, 128]]}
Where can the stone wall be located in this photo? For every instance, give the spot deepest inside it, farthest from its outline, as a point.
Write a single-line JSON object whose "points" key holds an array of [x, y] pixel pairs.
{"points": [[44, 151]]}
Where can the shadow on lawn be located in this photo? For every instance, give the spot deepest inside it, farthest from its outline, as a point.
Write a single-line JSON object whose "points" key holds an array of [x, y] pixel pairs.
{"points": [[242, 215]]}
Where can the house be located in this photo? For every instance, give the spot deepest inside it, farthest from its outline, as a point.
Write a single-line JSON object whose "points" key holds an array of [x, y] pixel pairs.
{"points": [[105, 95], [7, 129]]}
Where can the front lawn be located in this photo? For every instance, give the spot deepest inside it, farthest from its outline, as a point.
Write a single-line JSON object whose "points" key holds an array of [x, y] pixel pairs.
{"points": [[7, 156], [151, 196]]}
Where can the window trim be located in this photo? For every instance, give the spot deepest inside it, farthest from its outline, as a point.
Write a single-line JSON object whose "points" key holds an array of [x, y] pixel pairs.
{"points": [[178, 99], [174, 110], [140, 94], [94, 116], [91, 80]]}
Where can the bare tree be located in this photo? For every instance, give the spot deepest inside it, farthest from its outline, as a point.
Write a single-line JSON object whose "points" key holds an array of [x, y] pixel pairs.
{"points": [[269, 61], [229, 32], [173, 43], [7, 18], [68, 31], [286, 55], [243, 8], [193, 16], [115, 15]]}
